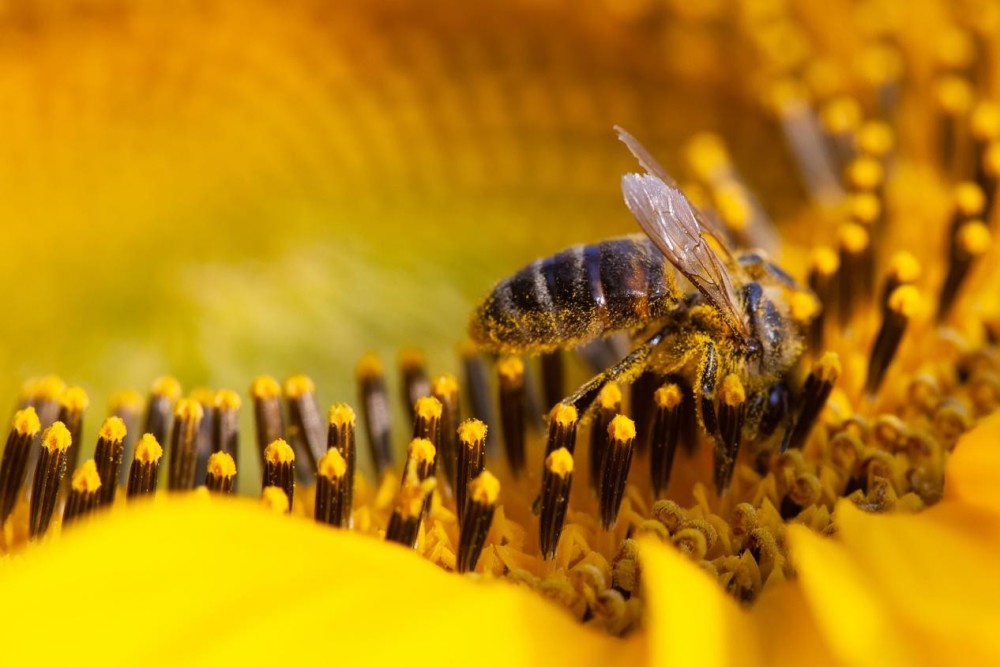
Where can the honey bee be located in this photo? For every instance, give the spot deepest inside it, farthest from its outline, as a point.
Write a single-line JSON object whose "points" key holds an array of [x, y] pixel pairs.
{"points": [[728, 324]]}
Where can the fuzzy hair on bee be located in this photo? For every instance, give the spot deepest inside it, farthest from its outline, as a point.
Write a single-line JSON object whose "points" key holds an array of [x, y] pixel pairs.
{"points": [[716, 321]]}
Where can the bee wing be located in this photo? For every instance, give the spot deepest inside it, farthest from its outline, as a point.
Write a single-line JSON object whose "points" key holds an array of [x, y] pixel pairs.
{"points": [[649, 163], [670, 221]]}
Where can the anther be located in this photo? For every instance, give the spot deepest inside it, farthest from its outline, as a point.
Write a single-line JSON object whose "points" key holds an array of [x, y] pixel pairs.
{"points": [[427, 421], [445, 390], [614, 468], [404, 524], [49, 473], [607, 405], [72, 404], [412, 367], [13, 466], [270, 425], [305, 426], [557, 480], [279, 468], [864, 174], [815, 393], [563, 420], [333, 490], [484, 491], [375, 411], [84, 492], [855, 277], [666, 435], [512, 411], [731, 414], [226, 432], [969, 242], [183, 444], [471, 459], [341, 436], [876, 139], [822, 282], [840, 118], [165, 392], [804, 492], [221, 473], [902, 306], [904, 269], [109, 455], [127, 405], [145, 466]]}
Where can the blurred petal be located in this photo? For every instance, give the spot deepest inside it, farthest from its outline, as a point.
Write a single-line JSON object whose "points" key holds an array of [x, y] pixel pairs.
{"points": [[973, 471]]}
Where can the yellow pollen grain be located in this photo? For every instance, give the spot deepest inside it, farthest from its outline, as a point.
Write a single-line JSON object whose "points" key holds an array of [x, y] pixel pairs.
{"points": [[621, 429], [298, 386], [969, 199], [148, 450], [706, 153], [733, 393], [265, 387], [865, 173], [445, 385], [864, 207], [167, 386], [559, 462], [57, 437], [904, 267], [410, 500], [511, 369], [610, 396], [421, 450], [112, 430], [332, 465], [985, 121], [825, 261], [827, 368], [203, 395], [227, 399], [875, 138], [974, 238], [564, 414], [841, 115], [668, 397], [125, 400], [26, 422], [954, 95], [74, 399], [369, 366], [221, 465], [279, 452], [85, 479], [905, 300], [471, 431], [484, 489], [853, 238], [341, 415], [189, 410], [731, 202], [803, 306], [274, 499], [428, 408]]}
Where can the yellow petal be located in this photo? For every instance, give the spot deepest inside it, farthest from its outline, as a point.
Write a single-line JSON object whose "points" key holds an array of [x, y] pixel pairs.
{"points": [[974, 467], [690, 618], [209, 580]]}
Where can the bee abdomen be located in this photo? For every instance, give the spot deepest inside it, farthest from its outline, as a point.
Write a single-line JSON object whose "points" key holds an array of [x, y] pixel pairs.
{"points": [[577, 295]]}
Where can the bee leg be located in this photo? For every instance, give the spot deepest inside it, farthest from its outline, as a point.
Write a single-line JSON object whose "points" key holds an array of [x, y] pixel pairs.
{"points": [[633, 362], [707, 378]]}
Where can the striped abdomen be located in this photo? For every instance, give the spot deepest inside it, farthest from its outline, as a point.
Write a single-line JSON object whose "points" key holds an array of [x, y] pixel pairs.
{"points": [[577, 295]]}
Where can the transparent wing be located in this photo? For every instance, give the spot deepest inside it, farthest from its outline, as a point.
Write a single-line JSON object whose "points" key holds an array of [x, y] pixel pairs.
{"points": [[670, 221]]}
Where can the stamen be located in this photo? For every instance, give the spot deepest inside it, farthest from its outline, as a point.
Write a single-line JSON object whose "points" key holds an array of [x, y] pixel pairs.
{"points": [[615, 467], [512, 411], [666, 434], [404, 524], [904, 269], [985, 128], [864, 174], [954, 97], [427, 420], [375, 411], [49, 474], [273, 499], [484, 491], [13, 466], [840, 118], [445, 390], [876, 139], [471, 460], [412, 367], [732, 402], [641, 401], [341, 437], [160, 409], [817, 390], [145, 467], [183, 444], [203, 439], [478, 387], [127, 406], [969, 242], [557, 480], [553, 373], [84, 492], [333, 490], [903, 304], [226, 435], [607, 405], [108, 456], [804, 492], [43, 395], [305, 426], [865, 209], [266, 394], [221, 475], [563, 420], [279, 468], [822, 282], [73, 403], [855, 277]]}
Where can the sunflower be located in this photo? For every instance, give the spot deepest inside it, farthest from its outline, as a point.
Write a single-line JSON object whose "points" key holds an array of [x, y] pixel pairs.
{"points": [[179, 177]]}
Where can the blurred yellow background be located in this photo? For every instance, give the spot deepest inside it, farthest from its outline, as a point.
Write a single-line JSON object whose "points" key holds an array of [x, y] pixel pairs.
{"points": [[219, 189]]}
